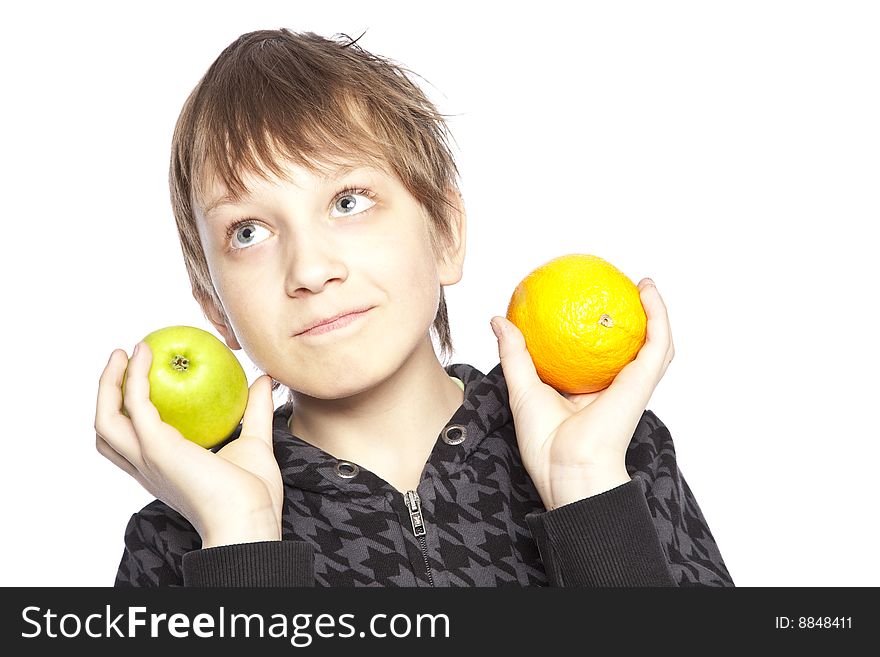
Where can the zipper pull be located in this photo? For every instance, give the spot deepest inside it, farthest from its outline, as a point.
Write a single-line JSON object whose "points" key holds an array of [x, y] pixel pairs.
{"points": [[413, 505]]}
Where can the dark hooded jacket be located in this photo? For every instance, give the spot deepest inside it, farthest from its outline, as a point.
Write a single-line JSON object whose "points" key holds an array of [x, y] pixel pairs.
{"points": [[475, 519]]}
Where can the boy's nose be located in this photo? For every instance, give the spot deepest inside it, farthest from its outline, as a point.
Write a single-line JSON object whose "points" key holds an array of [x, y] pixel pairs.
{"points": [[311, 267]]}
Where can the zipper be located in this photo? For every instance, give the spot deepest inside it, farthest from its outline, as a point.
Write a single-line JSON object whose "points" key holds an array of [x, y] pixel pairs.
{"points": [[414, 506]]}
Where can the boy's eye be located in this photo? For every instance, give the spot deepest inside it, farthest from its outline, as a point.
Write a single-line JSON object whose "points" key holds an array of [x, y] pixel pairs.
{"points": [[243, 234], [351, 203]]}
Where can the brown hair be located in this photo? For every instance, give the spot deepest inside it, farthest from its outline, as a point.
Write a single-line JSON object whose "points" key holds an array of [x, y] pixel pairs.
{"points": [[315, 101]]}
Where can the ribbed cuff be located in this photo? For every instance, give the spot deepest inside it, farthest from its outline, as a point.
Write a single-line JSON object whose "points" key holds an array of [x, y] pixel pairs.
{"points": [[608, 539], [264, 563]]}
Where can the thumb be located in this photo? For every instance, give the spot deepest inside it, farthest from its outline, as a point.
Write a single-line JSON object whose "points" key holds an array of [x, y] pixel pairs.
{"points": [[260, 409], [516, 361]]}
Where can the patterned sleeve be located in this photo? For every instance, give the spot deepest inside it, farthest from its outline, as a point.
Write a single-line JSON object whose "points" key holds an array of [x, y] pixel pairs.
{"points": [[156, 539], [163, 549], [687, 541]]}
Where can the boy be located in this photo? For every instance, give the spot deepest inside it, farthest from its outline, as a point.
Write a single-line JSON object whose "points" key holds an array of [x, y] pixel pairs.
{"points": [[319, 216]]}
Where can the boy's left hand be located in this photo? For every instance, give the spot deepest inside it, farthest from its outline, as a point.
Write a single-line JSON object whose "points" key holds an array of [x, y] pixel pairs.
{"points": [[574, 446]]}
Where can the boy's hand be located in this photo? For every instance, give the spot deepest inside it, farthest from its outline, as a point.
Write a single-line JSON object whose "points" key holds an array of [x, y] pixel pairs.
{"points": [[232, 496], [574, 446]]}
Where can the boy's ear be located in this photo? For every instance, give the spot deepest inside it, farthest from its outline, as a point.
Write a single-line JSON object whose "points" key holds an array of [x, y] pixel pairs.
{"points": [[451, 265], [215, 316]]}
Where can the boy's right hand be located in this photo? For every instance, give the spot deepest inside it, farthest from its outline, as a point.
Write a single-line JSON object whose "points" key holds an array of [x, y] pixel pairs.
{"points": [[232, 496]]}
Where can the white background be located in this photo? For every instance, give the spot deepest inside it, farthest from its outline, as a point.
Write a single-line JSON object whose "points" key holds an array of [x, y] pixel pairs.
{"points": [[731, 151]]}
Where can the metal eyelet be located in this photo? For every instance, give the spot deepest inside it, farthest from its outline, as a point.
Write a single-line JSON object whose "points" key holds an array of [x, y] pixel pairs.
{"points": [[346, 469], [454, 439]]}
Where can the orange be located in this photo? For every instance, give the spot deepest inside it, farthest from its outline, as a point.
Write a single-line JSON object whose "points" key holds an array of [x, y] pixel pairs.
{"points": [[582, 320]]}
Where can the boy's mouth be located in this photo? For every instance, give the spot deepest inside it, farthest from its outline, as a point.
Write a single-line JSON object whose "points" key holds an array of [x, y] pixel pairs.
{"points": [[332, 323]]}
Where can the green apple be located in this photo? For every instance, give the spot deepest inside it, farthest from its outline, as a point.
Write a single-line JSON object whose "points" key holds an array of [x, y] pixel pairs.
{"points": [[196, 383]]}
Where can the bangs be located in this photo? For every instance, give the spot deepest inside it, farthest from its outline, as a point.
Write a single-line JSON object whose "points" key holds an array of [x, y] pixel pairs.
{"points": [[256, 131]]}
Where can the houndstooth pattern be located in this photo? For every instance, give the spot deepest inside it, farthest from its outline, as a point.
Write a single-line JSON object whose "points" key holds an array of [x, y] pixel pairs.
{"points": [[474, 498]]}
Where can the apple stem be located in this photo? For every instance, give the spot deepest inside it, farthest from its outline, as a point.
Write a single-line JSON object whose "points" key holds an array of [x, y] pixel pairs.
{"points": [[180, 363]]}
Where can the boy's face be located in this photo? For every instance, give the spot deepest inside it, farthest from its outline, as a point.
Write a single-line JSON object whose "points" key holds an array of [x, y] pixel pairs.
{"points": [[297, 252]]}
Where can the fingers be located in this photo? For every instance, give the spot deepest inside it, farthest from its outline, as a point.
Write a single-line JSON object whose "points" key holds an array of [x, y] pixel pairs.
{"points": [[163, 448], [516, 361], [658, 345], [110, 424], [258, 414], [136, 398], [639, 378]]}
